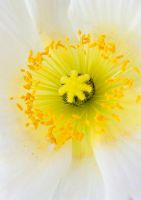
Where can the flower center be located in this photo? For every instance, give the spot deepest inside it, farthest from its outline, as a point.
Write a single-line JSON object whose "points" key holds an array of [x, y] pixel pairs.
{"points": [[60, 80], [76, 88]]}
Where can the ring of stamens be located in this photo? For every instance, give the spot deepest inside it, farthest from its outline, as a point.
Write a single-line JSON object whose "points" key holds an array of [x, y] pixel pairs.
{"points": [[114, 91], [76, 88]]}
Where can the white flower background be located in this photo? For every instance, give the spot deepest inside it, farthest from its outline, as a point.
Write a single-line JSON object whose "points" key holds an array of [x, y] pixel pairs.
{"points": [[113, 173]]}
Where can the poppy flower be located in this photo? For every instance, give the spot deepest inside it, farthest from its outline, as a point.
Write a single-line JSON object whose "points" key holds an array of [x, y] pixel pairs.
{"points": [[71, 100]]}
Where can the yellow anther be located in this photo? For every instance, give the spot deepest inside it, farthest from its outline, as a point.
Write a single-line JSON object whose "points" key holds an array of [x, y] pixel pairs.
{"points": [[117, 58], [28, 75], [85, 39], [112, 47], [30, 57], [99, 117], [46, 50], [101, 41], [28, 86], [138, 99], [116, 117], [118, 92], [19, 107], [79, 32], [136, 69], [124, 65], [38, 58], [59, 44], [74, 86], [128, 83], [113, 80]]}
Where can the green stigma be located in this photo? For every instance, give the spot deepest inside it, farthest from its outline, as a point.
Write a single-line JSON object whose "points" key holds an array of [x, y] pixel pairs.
{"points": [[76, 88]]}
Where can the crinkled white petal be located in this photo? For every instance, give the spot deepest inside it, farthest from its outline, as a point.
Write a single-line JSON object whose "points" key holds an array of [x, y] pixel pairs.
{"points": [[120, 166]]}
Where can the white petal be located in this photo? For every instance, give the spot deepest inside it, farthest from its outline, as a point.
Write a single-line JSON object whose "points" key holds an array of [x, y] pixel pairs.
{"points": [[26, 174], [60, 180], [89, 15], [82, 181], [121, 169], [52, 17], [18, 35], [18, 23]]}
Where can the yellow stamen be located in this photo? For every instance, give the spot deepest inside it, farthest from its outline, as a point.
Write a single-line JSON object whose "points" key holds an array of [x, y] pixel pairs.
{"points": [[124, 65], [138, 99], [128, 83], [99, 117], [117, 58], [19, 107], [116, 117], [85, 39], [101, 41], [136, 69]]}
